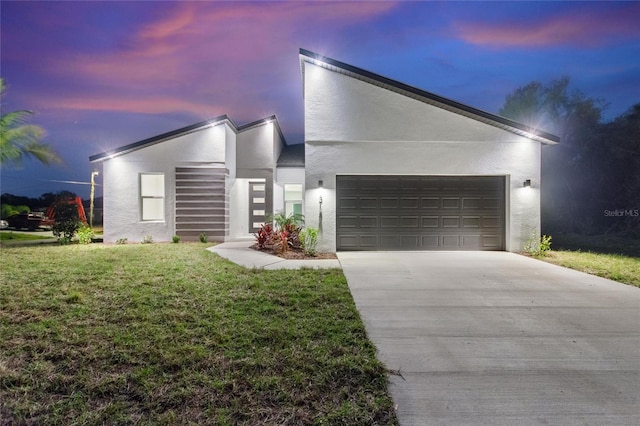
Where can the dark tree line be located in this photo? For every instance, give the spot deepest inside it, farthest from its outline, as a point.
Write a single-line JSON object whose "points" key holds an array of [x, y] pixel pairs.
{"points": [[13, 204], [39, 203], [591, 180]]}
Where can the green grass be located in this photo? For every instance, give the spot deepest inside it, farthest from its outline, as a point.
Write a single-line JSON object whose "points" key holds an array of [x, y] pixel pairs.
{"points": [[173, 334], [610, 243], [17, 236], [612, 266]]}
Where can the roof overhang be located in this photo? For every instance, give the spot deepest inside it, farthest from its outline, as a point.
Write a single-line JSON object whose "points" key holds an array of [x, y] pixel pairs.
{"points": [[223, 119], [504, 123]]}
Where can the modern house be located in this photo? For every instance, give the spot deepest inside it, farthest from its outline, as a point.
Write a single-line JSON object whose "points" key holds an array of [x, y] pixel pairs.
{"points": [[213, 177], [384, 166]]}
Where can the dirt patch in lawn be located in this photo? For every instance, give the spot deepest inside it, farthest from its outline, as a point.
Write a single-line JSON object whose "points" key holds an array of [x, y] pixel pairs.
{"points": [[296, 254]]}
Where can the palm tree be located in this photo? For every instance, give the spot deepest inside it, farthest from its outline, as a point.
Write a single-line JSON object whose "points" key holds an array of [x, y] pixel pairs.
{"points": [[19, 139]]}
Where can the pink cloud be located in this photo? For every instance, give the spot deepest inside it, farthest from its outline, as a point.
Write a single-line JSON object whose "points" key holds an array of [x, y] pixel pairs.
{"points": [[149, 105], [199, 51], [583, 28], [167, 27]]}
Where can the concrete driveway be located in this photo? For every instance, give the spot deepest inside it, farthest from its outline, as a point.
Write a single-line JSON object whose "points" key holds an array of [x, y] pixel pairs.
{"points": [[495, 338]]}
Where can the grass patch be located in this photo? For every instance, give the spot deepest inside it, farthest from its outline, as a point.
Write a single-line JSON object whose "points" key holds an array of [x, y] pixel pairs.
{"points": [[173, 334], [612, 266], [610, 243], [18, 236]]}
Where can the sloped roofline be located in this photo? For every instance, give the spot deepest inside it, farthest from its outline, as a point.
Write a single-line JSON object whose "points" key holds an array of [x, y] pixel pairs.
{"points": [[427, 97], [107, 155]]}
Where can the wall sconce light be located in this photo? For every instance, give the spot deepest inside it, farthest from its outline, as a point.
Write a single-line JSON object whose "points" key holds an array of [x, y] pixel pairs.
{"points": [[320, 184], [526, 183]]}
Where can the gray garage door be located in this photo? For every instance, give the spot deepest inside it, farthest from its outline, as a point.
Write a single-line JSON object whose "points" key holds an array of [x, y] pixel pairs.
{"points": [[420, 213]]}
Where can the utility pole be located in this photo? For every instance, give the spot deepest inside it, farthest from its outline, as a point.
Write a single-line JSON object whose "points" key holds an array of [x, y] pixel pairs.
{"points": [[91, 197]]}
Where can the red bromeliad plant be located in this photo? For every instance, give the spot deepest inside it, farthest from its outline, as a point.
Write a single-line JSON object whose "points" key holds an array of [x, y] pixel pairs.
{"points": [[281, 241], [293, 235], [286, 238], [281, 237], [265, 236]]}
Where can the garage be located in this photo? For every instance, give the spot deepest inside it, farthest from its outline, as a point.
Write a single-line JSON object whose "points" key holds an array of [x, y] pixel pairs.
{"points": [[420, 212]]}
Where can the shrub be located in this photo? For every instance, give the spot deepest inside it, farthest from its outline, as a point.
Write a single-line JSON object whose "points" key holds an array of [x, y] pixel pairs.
{"points": [[538, 247], [309, 241], [121, 241], [282, 221], [66, 222], [293, 235], [281, 241], [545, 245], [203, 237], [283, 235], [85, 235], [148, 239], [176, 239], [264, 236]]}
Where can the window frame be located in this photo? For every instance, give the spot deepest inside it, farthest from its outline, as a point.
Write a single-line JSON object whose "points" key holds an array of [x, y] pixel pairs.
{"points": [[142, 197], [293, 201]]}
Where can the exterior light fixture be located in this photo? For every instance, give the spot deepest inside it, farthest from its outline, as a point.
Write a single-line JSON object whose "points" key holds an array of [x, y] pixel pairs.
{"points": [[526, 183], [320, 184]]}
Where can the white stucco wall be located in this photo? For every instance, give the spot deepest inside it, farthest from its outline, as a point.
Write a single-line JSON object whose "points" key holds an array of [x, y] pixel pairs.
{"points": [[239, 209], [278, 144], [352, 127], [231, 164], [255, 147], [206, 147]]}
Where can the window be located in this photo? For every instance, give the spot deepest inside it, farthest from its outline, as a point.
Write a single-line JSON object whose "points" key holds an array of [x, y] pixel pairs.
{"points": [[152, 196], [292, 198]]}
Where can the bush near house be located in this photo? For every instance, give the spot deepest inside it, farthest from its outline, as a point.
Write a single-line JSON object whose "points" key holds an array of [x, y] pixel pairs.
{"points": [[85, 235], [283, 235], [309, 241], [264, 236], [66, 222]]}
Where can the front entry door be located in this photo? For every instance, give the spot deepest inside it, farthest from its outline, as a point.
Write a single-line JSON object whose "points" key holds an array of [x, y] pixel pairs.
{"points": [[257, 206]]}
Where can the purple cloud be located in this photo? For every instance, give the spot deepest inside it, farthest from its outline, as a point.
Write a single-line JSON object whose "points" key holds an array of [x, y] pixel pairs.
{"points": [[578, 27], [199, 55]]}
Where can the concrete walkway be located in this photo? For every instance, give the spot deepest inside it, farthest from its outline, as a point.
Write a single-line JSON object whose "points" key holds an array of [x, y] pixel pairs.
{"points": [[239, 252], [494, 338]]}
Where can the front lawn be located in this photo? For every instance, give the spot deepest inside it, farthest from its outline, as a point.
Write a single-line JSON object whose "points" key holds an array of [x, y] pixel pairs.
{"points": [[612, 266], [19, 236], [173, 334]]}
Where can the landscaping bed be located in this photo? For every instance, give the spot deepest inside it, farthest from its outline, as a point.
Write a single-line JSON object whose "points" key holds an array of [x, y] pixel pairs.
{"points": [[294, 253]]}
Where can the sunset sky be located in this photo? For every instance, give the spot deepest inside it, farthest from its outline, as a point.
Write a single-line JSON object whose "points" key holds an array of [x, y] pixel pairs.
{"points": [[105, 74]]}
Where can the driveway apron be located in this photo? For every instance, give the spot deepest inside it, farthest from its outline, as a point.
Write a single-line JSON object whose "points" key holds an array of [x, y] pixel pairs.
{"points": [[495, 338]]}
